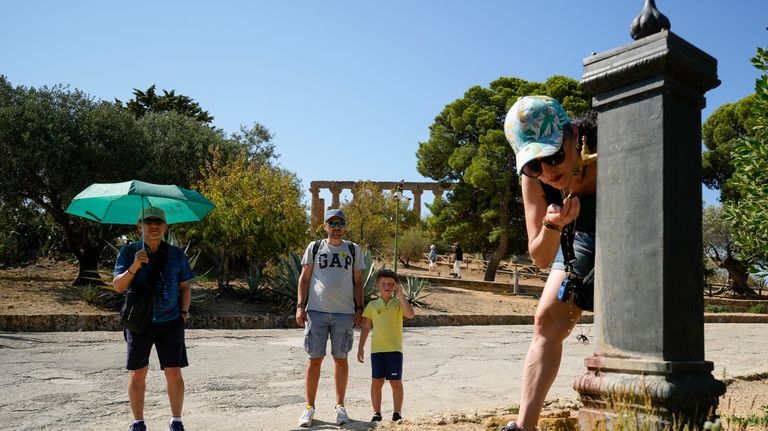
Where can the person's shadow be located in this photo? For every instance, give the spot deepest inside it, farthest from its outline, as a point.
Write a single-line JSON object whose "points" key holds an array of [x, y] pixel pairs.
{"points": [[351, 425]]}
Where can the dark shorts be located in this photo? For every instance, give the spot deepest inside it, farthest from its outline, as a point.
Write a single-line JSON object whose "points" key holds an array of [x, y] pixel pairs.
{"points": [[168, 338], [387, 365]]}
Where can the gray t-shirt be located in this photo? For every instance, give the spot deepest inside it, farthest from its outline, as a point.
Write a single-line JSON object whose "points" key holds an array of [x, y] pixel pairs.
{"points": [[331, 285]]}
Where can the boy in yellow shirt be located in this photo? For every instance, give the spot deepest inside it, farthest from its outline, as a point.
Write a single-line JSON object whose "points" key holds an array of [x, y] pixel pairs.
{"points": [[385, 315]]}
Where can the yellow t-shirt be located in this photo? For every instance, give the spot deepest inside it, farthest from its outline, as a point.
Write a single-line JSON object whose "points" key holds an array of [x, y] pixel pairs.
{"points": [[387, 325]]}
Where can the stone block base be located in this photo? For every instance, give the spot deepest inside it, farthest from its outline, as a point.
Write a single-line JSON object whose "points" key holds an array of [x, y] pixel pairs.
{"points": [[646, 394]]}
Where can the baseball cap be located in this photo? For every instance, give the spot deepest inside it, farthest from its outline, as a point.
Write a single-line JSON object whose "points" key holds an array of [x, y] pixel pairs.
{"points": [[386, 272], [334, 212], [152, 212], [534, 128]]}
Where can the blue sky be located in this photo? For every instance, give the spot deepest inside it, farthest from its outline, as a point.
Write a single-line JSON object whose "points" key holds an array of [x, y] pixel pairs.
{"points": [[349, 88]]}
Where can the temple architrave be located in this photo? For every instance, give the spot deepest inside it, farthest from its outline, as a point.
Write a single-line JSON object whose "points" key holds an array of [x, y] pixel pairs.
{"points": [[336, 187]]}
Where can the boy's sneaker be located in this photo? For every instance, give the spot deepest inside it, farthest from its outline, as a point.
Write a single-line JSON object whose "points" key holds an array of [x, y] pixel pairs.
{"points": [[376, 417], [306, 418], [396, 417], [138, 426], [175, 426], [341, 415], [511, 427]]}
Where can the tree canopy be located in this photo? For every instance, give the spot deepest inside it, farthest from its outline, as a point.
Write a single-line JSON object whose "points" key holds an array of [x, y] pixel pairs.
{"points": [[258, 215], [721, 131], [467, 147], [144, 102], [56, 141], [747, 212]]}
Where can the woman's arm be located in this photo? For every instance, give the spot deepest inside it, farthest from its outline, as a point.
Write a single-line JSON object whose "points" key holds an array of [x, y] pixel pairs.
{"points": [[543, 242]]}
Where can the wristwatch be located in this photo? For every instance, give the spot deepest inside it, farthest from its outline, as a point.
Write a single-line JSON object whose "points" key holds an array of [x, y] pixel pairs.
{"points": [[358, 308]]}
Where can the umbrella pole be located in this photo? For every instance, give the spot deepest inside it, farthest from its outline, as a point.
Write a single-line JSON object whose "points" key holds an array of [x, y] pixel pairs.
{"points": [[142, 221]]}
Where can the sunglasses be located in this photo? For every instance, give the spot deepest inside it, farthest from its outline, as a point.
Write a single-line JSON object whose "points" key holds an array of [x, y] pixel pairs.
{"points": [[153, 221], [337, 223], [533, 168]]}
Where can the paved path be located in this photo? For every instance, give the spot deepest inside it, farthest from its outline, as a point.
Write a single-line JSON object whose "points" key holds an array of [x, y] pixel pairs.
{"points": [[253, 379]]}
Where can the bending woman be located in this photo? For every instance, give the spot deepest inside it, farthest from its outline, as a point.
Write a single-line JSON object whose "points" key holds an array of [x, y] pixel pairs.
{"points": [[558, 189]]}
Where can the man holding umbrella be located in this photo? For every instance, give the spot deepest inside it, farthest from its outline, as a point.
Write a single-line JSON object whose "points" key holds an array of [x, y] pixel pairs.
{"points": [[136, 264]]}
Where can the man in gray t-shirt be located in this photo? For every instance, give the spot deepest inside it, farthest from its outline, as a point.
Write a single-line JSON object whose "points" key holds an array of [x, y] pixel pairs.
{"points": [[329, 305]]}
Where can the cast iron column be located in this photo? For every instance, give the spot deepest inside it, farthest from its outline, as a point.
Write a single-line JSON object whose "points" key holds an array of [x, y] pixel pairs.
{"points": [[649, 363]]}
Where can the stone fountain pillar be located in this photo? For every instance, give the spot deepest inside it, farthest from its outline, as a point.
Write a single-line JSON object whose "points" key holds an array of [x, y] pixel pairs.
{"points": [[649, 364]]}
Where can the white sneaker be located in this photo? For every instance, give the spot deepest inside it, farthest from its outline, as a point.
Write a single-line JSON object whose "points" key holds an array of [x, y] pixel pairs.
{"points": [[341, 415], [306, 418]]}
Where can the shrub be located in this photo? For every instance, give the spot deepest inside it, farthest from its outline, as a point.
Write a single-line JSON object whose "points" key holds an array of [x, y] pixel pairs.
{"points": [[758, 309], [716, 308]]}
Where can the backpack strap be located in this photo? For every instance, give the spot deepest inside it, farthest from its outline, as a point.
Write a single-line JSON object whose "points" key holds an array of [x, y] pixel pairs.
{"points": [[351, 246], [315, 248]]}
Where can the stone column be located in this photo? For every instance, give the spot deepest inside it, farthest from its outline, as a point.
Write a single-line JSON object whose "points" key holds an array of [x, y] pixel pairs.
{"points": [[335, 192], [438, 192], [417, 202], [649, 356], [316, 207]]}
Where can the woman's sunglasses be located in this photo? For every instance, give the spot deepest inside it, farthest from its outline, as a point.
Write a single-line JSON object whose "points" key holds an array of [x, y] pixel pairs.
{"points": [[533, 168]]}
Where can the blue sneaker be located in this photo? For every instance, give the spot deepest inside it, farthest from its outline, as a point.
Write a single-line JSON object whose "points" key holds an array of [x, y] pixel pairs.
{"points": [[175, 426], [138, 426]]}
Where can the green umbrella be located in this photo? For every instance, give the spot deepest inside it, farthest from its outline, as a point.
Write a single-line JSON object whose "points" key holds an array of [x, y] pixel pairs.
{"points": [[121, 203]]}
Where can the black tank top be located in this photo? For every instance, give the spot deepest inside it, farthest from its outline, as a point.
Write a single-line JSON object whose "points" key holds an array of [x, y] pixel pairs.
{"points": [[587, 215]]}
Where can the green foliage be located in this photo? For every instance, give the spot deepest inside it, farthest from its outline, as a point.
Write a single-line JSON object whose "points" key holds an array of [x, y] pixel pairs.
{"points": [[100, 296], [369, 221], [758, 309], [414, 289], [26, 234], [467, 147], [258, 215], [412, 244], [56, 141], [716, 308], [145, 102], [258, 288], [285, 282], [742, 422], [723, 129], [369, 277], [750, 178]]}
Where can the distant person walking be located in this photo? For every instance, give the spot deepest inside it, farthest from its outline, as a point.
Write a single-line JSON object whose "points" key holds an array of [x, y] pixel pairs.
{"points": [[385, 315], [458, 258], [329, 305], [165, 269], [433, 260]]}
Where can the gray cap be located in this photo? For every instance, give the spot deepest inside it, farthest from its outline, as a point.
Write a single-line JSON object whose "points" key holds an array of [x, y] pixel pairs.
{"points": [[334, 212]]}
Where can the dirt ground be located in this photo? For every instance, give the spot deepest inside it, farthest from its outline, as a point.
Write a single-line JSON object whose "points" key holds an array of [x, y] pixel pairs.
{"points": [[45, 288]]}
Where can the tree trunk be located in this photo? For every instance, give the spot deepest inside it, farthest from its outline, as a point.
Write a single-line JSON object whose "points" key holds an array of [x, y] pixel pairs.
{"points": [[738, 275], [88, 265], [501, 249]]}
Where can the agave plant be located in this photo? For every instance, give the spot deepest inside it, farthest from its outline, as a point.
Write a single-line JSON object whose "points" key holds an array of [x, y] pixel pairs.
{"points": [[369, 278], [257, 286], [415, 290], [285, 283]]}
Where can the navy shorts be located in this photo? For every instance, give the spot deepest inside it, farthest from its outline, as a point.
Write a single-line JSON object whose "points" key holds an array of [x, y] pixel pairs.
{"points": [[168, 338], [387, 365]]}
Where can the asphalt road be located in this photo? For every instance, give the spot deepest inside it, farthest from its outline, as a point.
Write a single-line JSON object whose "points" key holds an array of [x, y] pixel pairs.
{"points": [[253, 379]]}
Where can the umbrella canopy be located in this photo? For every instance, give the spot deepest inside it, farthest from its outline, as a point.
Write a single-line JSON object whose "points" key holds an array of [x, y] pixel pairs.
{"points": [[121, 203]]}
